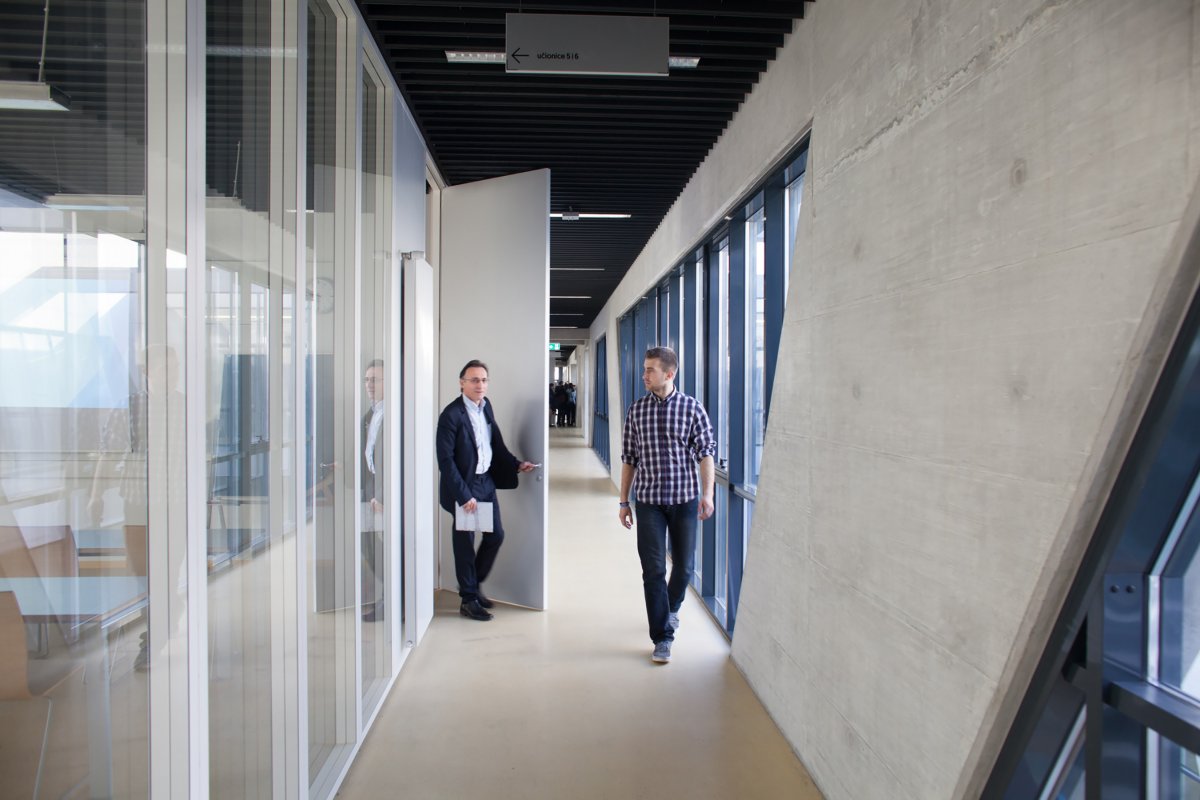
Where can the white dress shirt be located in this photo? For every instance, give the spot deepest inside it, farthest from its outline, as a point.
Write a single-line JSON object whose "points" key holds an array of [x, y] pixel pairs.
{"points": [[483, 434], [373, 434]]}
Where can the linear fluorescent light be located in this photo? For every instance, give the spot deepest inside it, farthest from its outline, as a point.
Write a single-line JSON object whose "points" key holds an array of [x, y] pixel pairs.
{"points": [[577, 269], [500, 57], [564, 314], [35, 95], [84, 207], [32, 96], [571, 216], [475, 57], [570, 297]]}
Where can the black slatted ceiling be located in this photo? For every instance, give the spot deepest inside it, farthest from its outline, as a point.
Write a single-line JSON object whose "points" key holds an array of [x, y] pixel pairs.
{"points": [[617, 144], [625, 144]]}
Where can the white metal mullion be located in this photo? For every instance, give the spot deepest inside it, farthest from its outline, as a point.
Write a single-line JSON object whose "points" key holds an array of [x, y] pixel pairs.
{"points": [[195, 738], [298, 679], [346, 394], [178, 692], [281, 254], [275, 552], [353, 87], [161, 711], [396, 580]]}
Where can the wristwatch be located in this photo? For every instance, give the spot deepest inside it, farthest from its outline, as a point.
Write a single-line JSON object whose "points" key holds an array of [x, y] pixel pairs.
{"points": [[624, 504]]}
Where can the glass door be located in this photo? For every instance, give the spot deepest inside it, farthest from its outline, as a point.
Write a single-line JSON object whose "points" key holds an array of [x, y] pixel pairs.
{"points": [[333, 380], [382, 606]]}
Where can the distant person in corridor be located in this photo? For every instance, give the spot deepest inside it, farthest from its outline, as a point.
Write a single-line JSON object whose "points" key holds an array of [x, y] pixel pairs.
{"points": [[666, 433], [474, 463]]}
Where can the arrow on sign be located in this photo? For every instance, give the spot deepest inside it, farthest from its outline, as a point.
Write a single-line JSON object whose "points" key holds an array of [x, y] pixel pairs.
{"points": [[518, 55]]}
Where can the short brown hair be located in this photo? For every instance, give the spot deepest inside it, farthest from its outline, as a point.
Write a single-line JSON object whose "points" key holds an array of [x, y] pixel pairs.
{"points": [[666, 356], [474, 362]]}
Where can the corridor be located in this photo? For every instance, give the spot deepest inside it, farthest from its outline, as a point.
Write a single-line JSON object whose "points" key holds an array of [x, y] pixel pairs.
{"points": [[566, 703]]}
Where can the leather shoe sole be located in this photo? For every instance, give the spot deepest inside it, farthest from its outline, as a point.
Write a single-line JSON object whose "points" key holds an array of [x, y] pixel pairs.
{"points": [[474, 611]]}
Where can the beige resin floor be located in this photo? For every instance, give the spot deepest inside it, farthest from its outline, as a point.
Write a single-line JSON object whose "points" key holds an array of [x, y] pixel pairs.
{"points": [[566, 703]]}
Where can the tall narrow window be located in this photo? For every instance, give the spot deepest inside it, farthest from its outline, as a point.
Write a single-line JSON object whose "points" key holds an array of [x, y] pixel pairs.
{"points": [[380, 593], [755, 363], [723, 355], [794, 197]]}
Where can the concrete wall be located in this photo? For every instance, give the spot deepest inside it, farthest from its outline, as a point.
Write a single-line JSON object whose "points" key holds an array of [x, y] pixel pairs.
{"points": [[983, 258]]}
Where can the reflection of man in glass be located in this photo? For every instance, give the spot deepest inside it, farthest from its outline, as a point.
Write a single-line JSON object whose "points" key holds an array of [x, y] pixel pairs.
{"points": [[374, 485]]}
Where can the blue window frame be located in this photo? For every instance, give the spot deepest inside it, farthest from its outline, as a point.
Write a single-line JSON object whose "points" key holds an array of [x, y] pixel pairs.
{"points": [[629, 372], [600, 403], [1113, 709], [722, 310]]}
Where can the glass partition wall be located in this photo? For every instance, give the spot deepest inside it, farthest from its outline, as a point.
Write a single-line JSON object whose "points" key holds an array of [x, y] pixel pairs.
{"points": [[199, 570], [83, 381], [380, 545]]}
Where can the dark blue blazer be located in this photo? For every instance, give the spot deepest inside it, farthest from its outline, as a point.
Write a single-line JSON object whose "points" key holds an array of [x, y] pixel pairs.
{"points": [[457, 454]]}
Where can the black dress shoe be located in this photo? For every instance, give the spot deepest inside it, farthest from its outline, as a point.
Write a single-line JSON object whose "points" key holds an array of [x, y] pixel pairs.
{"points": [[483, 599], [472, 610]]}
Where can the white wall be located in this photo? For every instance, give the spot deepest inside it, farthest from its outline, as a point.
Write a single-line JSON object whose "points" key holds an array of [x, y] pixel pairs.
{"points": [[992, 194]]}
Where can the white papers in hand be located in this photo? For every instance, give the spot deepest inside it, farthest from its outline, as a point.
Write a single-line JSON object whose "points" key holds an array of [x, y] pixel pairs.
{"points": [[478, 520]]}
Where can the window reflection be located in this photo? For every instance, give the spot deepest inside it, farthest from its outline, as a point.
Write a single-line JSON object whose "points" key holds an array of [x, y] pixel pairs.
{"points": [[1179, 642], [78, 379], [380, 549], [756, 229], [723, 356]]}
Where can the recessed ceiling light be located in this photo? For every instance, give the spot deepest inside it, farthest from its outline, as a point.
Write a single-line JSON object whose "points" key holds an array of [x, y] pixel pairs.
{"points": [[683, 62], [474, 57]]}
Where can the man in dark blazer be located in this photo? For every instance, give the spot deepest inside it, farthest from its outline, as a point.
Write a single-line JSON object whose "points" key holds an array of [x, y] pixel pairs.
{"points": [[474, 463]]}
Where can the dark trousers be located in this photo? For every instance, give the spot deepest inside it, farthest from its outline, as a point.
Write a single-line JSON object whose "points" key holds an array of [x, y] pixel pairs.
{"points": [[656, 525], [372, 560], [471, 567]]}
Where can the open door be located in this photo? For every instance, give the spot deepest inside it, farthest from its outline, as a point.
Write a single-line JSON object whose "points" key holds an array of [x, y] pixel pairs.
{"points": [[495, 306], [420, 417]]}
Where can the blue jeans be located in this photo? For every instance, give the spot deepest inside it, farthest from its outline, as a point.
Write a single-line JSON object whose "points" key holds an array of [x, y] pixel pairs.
{"points": [[655, 526]]}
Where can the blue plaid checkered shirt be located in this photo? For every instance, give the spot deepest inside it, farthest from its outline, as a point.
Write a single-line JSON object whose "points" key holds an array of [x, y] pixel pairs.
{"points": [[662, 441]]}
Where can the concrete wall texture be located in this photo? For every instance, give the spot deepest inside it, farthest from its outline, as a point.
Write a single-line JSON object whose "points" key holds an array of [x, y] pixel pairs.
{"points": [[983, 264]]}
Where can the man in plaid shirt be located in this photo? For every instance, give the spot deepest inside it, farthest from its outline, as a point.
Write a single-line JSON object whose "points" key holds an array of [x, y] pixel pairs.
{"points": [[666, 433]]}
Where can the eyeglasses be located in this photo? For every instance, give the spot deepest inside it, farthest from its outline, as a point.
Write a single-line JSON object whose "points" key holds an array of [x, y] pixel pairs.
{"points": [[475, 380]]}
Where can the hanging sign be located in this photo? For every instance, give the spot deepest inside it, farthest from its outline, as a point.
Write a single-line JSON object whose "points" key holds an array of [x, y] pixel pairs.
{"points": [[587, 44]]}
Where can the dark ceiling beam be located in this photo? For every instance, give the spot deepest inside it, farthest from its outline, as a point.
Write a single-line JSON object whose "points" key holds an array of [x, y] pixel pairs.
{"points": [[781, 9], [713, 50], [402, 62], [551, 89], [434, 72], [683, 29]]}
